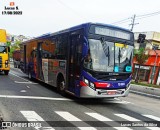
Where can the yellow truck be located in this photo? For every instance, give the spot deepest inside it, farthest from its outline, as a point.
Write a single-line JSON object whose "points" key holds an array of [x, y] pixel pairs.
{"points": [[4, 52]]}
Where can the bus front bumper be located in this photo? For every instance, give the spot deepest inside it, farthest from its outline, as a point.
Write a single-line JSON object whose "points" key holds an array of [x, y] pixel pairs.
{"points": [[4, 67], [87, 92]]}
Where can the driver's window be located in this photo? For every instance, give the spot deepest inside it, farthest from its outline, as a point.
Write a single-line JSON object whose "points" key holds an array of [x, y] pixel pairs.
{"points": [[88, 61]]}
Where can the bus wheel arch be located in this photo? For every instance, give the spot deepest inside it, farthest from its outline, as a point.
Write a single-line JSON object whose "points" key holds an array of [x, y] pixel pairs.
{"points": [[61, 84]]}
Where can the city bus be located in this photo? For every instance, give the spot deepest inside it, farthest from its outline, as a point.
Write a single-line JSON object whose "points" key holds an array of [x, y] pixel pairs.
{"points": [[91, 60]]}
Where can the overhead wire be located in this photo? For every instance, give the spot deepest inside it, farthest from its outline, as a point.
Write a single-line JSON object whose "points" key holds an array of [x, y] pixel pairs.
{"points": [[137, 17], [149, 15], [121, 21], [154, 13]]}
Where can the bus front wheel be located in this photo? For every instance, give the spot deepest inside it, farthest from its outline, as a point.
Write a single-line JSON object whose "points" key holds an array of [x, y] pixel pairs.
{"points": [[61, 86], [6, 72]]}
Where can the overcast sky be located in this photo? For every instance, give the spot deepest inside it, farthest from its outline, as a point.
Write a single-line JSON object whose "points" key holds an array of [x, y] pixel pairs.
{"points": [[44, 16]]}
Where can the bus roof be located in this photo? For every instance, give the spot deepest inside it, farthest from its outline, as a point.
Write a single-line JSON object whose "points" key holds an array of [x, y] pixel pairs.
{"points": [[3, 36], [84, 25], [87, 25]]}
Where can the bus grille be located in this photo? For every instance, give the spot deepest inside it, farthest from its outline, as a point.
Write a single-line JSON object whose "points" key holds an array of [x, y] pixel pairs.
{"points": [[111, 78], [0, 61], [106, 77]]}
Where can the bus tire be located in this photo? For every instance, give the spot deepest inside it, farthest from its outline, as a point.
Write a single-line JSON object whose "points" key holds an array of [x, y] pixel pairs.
{"points": [[61, 85], [6, 72]]}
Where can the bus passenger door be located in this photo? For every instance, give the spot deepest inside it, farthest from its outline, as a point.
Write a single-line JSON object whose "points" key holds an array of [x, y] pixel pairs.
{"points": [[24, 59], [39, 61], [74, 62]]}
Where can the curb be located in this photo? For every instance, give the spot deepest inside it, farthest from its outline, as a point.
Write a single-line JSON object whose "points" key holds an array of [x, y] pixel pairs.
{"points": [[145, 91]]}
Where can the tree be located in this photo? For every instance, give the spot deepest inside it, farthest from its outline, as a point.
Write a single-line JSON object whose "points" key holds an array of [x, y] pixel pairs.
{"points": [[141, 57], [15, 46]]}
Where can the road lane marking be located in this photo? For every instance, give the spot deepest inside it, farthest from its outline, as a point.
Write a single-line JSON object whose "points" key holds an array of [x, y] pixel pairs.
{"points": [[117, 100], [124, 116], [103, 118], [152, 117], [122, 128], [23, 91], [134, 119], [27, 81], [19, 77], [24, 82], [69, 117], [141, 93], [27, 86], [98, 116], [33, 116], [153, 128], [34, 97]]}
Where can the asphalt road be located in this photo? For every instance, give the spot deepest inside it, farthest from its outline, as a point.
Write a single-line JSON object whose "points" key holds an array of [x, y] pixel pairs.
{"points": [[22, 100]]}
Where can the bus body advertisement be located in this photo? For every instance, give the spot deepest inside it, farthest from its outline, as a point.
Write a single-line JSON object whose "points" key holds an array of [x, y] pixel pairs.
{"points": [[89, 60], [4, 53]]}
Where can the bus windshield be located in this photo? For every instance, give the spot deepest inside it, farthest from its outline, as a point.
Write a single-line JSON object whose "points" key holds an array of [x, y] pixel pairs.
{"points": [[107, 56], [3, 49]]}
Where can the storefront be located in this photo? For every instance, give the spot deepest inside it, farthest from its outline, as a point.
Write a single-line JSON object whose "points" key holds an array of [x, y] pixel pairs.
{"points": [[150, 71], [158, 79], [144, 72]]}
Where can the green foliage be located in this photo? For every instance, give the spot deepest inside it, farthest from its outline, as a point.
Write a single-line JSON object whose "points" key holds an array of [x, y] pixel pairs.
{"points": [[8, 43], [141, 56], [13, 47]]}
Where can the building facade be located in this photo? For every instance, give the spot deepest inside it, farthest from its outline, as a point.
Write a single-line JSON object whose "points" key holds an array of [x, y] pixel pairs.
{"points": [[150, 71]]}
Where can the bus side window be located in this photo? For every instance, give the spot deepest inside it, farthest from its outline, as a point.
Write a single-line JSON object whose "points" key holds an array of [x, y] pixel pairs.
{"points": [[79, 50], [33, 55], [61, 46]]}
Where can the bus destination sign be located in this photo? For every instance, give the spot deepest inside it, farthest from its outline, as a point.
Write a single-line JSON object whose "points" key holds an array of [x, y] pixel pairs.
{"points": [[112, 33]]}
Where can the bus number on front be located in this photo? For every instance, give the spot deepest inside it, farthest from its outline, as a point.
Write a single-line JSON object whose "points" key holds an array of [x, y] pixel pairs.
{"points": [[121, 84]]}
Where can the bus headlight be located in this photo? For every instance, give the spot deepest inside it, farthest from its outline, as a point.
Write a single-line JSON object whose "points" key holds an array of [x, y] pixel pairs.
{"points": [[6, 62], [86, 81], [92, 85]]}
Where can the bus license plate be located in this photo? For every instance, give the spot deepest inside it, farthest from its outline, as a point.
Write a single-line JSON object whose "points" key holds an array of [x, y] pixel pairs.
{"points": [[111, 92]]}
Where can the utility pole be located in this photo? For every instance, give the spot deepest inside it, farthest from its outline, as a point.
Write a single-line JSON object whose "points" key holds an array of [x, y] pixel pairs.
{"points": [[133, 22]]}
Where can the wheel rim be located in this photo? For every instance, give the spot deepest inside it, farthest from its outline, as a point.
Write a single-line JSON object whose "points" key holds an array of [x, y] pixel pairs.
{"points": [[62, 86]]}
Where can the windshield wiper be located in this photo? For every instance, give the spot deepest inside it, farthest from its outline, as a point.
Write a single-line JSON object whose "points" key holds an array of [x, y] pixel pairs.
{"points": [[130, 58], [119, 56], [108, 56], [105, 49]]}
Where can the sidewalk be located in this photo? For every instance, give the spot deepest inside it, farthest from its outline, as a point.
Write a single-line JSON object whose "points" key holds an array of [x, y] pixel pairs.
{"points": [[146, 91]]}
